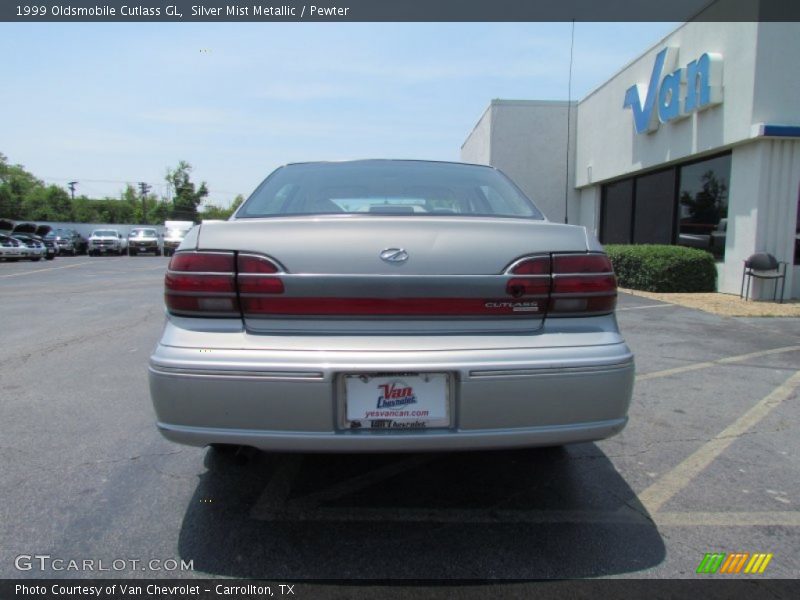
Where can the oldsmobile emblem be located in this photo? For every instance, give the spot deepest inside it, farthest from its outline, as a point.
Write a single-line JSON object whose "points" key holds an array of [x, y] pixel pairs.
{"points": [[394, 255]]}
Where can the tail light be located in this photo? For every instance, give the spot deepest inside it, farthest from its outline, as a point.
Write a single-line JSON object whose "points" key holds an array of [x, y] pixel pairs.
{"points": [[224, 284], [583, 285], [201, 283], [531, 278]]}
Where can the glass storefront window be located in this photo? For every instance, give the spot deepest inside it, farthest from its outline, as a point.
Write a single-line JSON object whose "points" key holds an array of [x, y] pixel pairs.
{"points": [[703, 204]]}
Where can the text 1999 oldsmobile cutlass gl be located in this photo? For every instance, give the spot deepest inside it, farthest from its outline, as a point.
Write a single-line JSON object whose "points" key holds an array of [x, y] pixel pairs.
{"points": [[389, 306]]}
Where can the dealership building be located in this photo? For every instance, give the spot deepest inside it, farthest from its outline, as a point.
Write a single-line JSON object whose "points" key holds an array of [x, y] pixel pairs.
{"points": [[696, 142]]}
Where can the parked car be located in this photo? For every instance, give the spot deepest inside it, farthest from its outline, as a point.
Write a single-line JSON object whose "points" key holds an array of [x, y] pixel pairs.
{"points": [[144, 239], [174, 232], [107, 241], [10, 248], [34, 248], [389, 306], [68, 241], [27, 232]]}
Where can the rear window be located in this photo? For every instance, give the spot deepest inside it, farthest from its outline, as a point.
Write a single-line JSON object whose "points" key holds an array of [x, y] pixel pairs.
{"points": [[388, 187]]}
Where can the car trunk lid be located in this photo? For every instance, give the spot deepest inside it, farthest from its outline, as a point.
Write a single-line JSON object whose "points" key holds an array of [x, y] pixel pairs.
{"points": [[401, 275]]}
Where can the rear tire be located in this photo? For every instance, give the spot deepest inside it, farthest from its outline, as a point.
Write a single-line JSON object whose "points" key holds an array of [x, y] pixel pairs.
{"points": [[37, 259]]}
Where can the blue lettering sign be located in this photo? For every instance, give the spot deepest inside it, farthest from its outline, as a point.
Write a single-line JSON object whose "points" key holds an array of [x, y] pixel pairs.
{"points": [[678, 94]]}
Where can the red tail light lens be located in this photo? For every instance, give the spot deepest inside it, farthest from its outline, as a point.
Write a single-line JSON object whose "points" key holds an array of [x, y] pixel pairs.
{"points": [[201, 284], [583, 285], [256, 277], [534, 280]]}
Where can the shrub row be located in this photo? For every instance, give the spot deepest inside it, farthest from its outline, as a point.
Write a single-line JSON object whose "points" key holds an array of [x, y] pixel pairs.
{"points": [[659, 268]]}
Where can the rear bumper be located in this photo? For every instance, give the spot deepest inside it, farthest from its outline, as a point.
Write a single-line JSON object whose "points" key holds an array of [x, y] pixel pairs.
{"points": [[293, 400]]}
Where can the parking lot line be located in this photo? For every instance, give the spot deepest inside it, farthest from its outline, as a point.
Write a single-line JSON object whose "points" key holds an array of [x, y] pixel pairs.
{"points": [[665, 305], [43, 270], [660, 492], [713, 363], [788, 518]]}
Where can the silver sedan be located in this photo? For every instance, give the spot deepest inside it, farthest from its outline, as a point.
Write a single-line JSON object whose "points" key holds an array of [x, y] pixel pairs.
{"points": [[389, 306]]}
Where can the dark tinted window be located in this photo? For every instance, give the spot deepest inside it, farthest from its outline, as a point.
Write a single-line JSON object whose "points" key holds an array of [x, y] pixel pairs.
{"points": [[655, 208], [617, 212], [388, 187], [703, 204]]}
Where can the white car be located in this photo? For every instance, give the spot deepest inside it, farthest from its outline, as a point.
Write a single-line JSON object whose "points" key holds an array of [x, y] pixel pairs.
{"points": [[174, 232], [31, 248], [10, 248], [107, 241]]}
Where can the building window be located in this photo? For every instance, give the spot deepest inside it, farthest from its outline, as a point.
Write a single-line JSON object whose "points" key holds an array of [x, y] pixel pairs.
{"points": [[703, 204], [685, 205], [617, 212], [654, 209]]}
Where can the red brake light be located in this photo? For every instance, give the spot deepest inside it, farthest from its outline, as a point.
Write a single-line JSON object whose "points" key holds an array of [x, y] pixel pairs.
{"points": [[535, 280], [255, 279], [201, 283], [537, 265], [583, 284]]}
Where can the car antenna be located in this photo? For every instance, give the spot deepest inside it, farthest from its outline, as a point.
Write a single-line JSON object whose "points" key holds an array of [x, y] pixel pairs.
{"points": [[569, 113]]}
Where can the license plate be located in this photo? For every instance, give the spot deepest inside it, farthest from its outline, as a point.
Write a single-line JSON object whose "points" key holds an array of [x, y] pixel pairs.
{"points": [[399, 401]]}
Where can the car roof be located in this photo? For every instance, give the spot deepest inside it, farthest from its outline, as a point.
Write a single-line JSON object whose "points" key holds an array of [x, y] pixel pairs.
{"points": [[388, 160]]}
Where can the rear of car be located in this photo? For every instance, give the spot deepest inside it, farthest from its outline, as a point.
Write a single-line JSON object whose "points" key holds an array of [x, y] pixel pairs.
{"points": [[389, 306]]}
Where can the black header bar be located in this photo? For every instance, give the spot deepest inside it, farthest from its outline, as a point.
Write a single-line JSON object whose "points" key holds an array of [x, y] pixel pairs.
{"points": [[397, 10]]}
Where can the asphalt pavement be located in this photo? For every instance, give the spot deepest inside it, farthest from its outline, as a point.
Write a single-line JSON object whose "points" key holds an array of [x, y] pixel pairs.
{"points": [[709, 462]]}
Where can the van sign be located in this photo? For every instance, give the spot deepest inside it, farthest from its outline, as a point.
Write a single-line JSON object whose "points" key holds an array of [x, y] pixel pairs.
{"points": [[678, 94]]}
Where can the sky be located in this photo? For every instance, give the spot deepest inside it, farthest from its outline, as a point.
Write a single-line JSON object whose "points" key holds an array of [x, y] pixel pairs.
{"points": [[110, 103]]}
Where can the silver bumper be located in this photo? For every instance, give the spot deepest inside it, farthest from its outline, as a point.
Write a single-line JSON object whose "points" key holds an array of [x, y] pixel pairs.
{"points": [[292, 400]]}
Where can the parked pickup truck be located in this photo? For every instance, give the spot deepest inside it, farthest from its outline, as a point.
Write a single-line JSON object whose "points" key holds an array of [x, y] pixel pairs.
{"points": [[144, 239], [107, 241], [174, 232]]}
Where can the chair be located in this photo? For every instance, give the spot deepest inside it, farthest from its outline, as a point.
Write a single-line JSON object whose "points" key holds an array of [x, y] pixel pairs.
{"points": [[763, 266]]}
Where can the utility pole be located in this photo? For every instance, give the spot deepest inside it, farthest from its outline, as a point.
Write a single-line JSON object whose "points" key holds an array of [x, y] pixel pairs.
{"points": [[144, 188], [72, 185]]}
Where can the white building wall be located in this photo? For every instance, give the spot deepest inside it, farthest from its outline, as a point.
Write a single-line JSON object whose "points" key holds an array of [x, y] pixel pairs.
{"points": [[528, 142], [477, 147], [762, 210], [608, 145], [776, 97]]}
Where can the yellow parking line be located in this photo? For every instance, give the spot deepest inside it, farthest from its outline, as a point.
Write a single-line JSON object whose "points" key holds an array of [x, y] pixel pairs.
{"points": [[42, 270], [660, 492], [644, 307], [789, 518], [713, 363]]}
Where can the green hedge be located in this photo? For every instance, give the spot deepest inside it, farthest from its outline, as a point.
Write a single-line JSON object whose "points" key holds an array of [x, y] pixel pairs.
{"points": [[657, 268]]}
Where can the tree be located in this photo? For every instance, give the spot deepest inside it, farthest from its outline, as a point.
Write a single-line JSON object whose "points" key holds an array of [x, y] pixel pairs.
{"points": [[212, 211], [51, 203], [187, 197], [15, 184]]}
